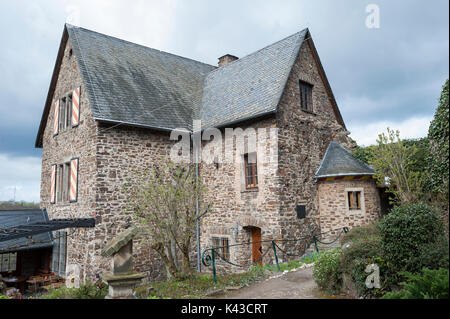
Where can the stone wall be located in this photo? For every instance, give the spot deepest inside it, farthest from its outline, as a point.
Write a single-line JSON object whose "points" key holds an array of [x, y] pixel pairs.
{"points": [[106, 159], [303, 139], [333, 204], [75, 142], [121, 153], [234, 208]]}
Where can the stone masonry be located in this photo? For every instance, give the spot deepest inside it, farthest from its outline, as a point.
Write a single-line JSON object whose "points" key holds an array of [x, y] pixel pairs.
{"points": [[109, 155]]}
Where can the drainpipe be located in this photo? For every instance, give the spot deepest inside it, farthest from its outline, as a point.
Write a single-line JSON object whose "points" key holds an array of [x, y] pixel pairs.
{"points": [[197, 222]]}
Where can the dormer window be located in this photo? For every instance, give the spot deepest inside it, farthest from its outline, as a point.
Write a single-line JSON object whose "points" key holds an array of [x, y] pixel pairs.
{"points": [[306, 96]]}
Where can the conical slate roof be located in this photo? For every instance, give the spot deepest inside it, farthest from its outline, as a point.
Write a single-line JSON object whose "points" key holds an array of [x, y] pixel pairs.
{"points": [[338, 161]]}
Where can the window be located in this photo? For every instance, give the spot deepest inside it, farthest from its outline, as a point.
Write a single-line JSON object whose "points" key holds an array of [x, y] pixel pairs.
{"points": [[222, 242], [8, 262], [354, 200], [251, 170], [65, 113], [306, 96], [63, 183], [59, 253]]}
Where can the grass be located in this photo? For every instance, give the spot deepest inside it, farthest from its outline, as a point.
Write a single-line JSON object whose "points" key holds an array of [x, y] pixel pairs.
{"points": [[199, 285], [85, 291]]}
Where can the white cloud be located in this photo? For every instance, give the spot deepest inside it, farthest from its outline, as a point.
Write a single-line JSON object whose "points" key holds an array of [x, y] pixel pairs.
{"points": [[367, 134], [22, 174], [149, 23]]}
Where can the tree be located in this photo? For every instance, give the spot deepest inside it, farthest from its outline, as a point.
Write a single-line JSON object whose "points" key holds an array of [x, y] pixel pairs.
{"points": [[438, 134], [395, 163], [164, 198]]}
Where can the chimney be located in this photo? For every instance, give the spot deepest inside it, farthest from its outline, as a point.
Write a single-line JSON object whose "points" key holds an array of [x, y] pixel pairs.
{"points": [[227, 58]]}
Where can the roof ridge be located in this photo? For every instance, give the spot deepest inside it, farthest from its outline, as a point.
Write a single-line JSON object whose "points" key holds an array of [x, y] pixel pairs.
{"points": [[252, 53], [136, 44]]}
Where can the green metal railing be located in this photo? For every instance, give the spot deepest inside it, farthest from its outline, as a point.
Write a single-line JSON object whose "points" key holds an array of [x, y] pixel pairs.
{"points": [[210, 255]]}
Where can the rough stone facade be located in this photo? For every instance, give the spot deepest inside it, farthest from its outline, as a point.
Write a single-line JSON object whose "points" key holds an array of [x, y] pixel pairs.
{"points": [[108, 156], [106, 160], [302, 140], [333, 204]]}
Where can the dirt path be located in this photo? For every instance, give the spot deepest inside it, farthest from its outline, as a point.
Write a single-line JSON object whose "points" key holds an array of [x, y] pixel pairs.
{"points": [[297, 284]]}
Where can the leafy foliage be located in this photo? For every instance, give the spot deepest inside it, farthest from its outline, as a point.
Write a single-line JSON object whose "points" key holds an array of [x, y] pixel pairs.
{"points": [[396, 162], [364, 250], [438, 161], [85, 291], [163, 198], [409, 233], [361, 233], [327, 273], [430, 284]]}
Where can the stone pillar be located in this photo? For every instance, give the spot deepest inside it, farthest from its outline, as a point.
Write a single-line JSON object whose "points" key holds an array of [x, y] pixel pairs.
{"points": [[123, 279]]}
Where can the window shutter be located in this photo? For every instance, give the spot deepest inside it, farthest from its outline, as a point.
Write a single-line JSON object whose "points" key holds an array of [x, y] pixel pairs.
{"points": [[76, 107], [56, 119], [53, 185], [73, 193]]}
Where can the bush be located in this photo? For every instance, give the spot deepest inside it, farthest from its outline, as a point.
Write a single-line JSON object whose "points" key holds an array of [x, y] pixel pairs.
{"points": [[85, 291], [327, 273], [412, 237], [4, 297], [361, 233], [431, 284], [365, 250]]}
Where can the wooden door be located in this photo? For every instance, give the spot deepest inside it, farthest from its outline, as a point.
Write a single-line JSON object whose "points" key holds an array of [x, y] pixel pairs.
{"points": [[256, 246]]}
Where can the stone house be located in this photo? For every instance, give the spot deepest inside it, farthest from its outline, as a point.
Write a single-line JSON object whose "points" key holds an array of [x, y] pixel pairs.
{"points": [[111, 107]]}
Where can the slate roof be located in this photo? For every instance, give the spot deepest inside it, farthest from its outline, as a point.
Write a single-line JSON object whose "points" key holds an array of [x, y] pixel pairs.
{"points": [[12, 218], [139, 86], [249, 86], [338, 161], [130, 83]]}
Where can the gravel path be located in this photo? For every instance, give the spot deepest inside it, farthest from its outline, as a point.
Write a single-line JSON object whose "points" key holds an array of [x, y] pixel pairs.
{"points": [[297, 284]]}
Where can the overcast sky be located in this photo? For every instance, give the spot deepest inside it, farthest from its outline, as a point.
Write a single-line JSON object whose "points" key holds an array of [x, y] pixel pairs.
{"points": [[387, 76]]}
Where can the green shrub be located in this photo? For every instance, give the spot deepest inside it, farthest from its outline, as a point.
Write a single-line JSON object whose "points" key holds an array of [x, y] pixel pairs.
{"points": [[361, 233], [430, 284], [327, 273], [85, 291], [4, 297], [365, 250], [412, 237]]}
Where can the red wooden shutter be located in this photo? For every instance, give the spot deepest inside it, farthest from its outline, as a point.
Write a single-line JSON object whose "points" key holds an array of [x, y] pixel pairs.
{"points": [[76, 107], [73, 192], [56, 119], [53, 185]]}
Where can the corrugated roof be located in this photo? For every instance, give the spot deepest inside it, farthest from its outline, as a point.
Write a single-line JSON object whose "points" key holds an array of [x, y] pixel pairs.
{"points": [[338, 161], [13, 218]]}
